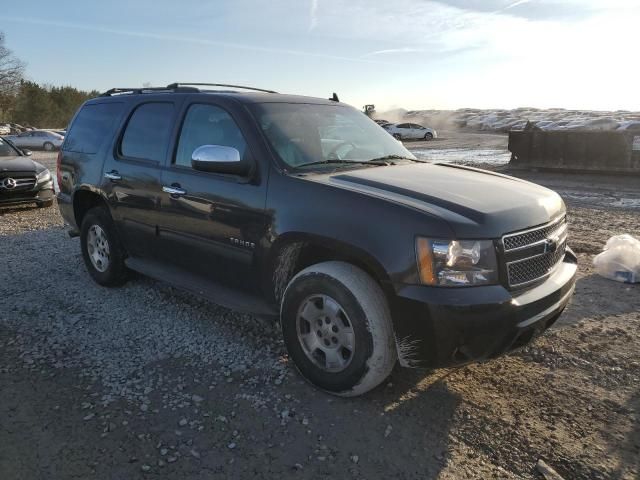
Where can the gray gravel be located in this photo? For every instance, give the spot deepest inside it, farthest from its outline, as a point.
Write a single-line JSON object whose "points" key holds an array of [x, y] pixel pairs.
{"points": [[108, 334]]}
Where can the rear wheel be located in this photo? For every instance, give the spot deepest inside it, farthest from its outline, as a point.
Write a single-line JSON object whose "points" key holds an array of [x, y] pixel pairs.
{"points": [[397, 136], [337, 328], [48, 146], [101, 248]]}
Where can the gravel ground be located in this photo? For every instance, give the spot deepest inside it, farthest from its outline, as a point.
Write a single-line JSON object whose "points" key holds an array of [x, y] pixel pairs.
{"points": [[147, 381]]}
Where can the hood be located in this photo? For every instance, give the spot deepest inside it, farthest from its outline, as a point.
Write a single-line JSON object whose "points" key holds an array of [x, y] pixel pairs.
{"points": [[476, 203], [19, 164]]}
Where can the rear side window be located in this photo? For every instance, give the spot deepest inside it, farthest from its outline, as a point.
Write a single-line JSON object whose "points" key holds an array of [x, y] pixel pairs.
{"points": [[146, 136], [92, 126]]}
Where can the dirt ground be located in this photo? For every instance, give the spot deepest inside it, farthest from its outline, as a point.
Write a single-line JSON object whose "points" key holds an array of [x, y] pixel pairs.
{"points": [[457, 139], [145, 381]]}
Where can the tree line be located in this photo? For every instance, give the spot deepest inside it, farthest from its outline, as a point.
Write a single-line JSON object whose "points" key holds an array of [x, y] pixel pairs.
{"points": [[28, 103]]}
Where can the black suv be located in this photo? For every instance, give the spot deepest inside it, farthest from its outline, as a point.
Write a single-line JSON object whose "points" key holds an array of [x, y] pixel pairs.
{"points": [[305, 209]]}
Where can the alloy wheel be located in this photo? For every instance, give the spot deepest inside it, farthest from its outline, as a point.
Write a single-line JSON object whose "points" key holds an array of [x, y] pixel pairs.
{"points": [[325, 333], [98, 247]]}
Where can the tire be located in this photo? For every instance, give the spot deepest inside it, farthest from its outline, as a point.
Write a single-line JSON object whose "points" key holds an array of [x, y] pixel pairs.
{"points": [[397, 136], [99, 235], [362, 321], [46, 204], [428, 136], [48, 146]]}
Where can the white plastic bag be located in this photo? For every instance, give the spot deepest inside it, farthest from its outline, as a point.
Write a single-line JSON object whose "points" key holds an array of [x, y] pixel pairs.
{"points": [[620, 260]]}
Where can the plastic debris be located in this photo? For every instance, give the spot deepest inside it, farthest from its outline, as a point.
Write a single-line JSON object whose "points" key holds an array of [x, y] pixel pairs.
{"points": [[547, 472], [620, 259]]}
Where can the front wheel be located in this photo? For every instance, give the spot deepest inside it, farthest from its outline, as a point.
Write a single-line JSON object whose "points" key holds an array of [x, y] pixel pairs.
{"points": [[48, 146], [428, 136], [337, 328], [101, 249], [45, 204]]}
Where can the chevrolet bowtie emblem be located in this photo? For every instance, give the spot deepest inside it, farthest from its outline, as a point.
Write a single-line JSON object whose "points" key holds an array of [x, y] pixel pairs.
{"points": [[550, 245]]}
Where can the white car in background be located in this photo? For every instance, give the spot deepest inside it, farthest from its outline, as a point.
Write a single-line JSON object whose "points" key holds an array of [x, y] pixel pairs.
{"points": [[37, 139], [410, 131]]}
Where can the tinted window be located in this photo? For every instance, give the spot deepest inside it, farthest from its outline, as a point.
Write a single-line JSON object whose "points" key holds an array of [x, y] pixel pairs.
{"points": [[207, 125], [146, 136], [91, 127], [7, 150], [403, 125]]}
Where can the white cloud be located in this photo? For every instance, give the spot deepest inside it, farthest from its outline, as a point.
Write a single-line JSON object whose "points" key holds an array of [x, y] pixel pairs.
{"points": [[515, 4], [393, 50]]}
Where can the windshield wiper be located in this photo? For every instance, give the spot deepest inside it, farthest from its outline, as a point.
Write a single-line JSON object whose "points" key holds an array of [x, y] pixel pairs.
{"points": [[396, 157], [375, 161]]}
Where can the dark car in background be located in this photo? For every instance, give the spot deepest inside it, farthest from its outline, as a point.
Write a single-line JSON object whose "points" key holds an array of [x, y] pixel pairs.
{"points": [[23, 180], [303, 209]]}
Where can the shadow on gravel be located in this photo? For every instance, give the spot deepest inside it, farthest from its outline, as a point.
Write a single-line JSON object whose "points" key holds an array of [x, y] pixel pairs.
{"points": [[17, 209], [399, 431], [402, 428]]}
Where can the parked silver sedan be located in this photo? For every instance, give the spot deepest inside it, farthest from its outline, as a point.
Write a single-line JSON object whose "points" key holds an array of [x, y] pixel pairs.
{"points": [[37, 139], [410, 131]]}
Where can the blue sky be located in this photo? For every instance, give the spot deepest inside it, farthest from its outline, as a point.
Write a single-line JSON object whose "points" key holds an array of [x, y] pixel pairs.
{"points": [[394, 53]]}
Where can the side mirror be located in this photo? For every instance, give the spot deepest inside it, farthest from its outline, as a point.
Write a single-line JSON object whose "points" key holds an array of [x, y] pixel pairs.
{"points": [[28, 153], [219, 159]]}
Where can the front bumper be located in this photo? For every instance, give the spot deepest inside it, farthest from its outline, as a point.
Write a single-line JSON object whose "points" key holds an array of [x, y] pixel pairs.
{"points": [[42, 193], [442, 327]]}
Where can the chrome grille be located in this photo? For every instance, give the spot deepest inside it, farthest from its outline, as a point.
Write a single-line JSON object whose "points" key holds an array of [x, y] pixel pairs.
{"points": [[523, 239], [532, 254], [20, 182]]}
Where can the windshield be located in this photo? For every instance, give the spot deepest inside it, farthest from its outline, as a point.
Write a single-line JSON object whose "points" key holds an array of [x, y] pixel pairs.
{"points": [[303, 133], [7, 150]]}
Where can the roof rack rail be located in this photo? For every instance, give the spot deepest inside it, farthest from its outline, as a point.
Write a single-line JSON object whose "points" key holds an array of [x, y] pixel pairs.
{"points": [[179, 84], [138, 90]]}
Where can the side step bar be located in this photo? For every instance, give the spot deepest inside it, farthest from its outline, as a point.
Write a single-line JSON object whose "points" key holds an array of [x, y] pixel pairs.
{"points": [[216, 293]]}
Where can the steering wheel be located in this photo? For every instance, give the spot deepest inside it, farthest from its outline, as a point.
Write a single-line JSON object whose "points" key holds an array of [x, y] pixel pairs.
{"points": [[333, 154]]}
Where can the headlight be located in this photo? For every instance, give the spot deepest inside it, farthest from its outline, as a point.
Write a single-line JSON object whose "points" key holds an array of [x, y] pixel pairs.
{"points": [[456, 263], [43, 176]]}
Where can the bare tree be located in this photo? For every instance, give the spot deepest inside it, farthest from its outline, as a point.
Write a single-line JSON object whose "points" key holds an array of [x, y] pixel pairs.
{"points": [[11, 70]]}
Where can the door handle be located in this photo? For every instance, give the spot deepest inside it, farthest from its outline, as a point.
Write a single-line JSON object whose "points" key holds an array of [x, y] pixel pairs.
{"points": [[113, 175], [174, 190]]}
